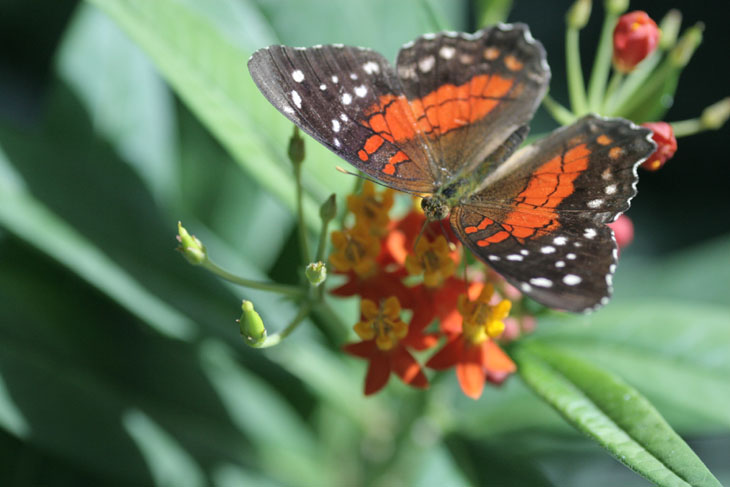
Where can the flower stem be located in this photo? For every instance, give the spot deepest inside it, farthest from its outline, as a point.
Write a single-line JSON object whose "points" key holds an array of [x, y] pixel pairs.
{"points": [[302, 229], [602, 63], [276, 338], [561, 114], [687, 127], [437, 22], [610, 96], [576, 86], [263, 286], [646, 90], [633, 81]]}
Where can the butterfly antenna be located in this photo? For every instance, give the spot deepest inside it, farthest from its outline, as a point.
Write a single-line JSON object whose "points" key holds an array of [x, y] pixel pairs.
{"points": [[359, 175], [420, 234]]}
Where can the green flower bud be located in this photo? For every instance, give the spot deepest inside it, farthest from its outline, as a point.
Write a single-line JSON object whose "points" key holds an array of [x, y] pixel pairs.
{"points": [[296, 147], [616, 7], [578, 14], [192, 248], [316, 273], [715, 116], [669, 26], [251, 325], [686, 46], [328, 210]]}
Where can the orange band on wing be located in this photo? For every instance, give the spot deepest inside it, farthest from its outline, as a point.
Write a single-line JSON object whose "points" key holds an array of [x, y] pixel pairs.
{"points": [[549, 185], [445, 109]]}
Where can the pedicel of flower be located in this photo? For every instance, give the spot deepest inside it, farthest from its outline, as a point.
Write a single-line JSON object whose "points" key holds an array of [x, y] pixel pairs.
{"points": [[635, 36], [663, 135]]}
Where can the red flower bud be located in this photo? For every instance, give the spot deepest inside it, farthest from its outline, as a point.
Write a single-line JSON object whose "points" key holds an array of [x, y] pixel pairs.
{"points": [[666, 143], [623, 230], [635, 37]]}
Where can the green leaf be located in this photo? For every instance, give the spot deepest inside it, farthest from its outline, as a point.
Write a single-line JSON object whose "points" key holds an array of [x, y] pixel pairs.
{"points": [[612, 413], [208, 71], [31, 221], [657, 345]]}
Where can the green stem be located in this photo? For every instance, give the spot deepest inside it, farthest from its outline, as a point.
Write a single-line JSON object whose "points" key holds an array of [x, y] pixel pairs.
{"points": [[561, 114], [613, 87], [276, 338], [302, 229], [436, 20], [602, 63], [635, 80], [322, 241], [646, 90], [576, 86], [263, 286], [687, 127]]}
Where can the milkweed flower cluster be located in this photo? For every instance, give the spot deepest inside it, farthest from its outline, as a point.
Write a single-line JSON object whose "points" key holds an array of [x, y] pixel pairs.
{"points": [[393, 269]]}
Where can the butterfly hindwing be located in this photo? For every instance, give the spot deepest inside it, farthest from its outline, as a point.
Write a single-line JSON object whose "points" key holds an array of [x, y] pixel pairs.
{"points": [[469, 92], [540, 219], [331, 92]]}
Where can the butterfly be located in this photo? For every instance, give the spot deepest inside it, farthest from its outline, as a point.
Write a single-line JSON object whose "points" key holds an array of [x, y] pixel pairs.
{"points": [[447, 123]]}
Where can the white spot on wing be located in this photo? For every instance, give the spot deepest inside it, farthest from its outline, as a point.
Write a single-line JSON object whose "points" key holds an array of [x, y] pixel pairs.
{"points": [[361, 91], [296, 99], [610, 189], [335, 79], [297, 75], [323, 87], [590, 233], [426, 64], [541, 281], [548, 249], [560, 264], [515, 257], [353, 76], [371, 67], [447, 52], [493, 258], [560, 240], [570, 256], [338, 144], [524, 252], [346, 99], [526, 288], [335, 125], [344, 117], [595, 203], [572, 279], [288, 109]]}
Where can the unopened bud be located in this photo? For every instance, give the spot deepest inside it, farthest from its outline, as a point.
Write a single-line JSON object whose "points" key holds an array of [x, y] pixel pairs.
{"points": [[296, 147], [328, 210], [251, 325], [635, 36], [578, 14], [715, 116], [616, 7], [316, 273], [669, 27], [192, 248], [687, 45]]}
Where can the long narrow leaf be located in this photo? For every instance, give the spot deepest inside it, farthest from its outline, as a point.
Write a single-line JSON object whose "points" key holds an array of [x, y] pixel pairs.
{"points": [[614, 414]]}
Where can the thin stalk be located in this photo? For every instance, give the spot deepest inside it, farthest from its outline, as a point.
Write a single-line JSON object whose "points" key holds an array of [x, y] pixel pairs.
{"points": [[602, 64], [684, 128], [263, 286], [635, 79], [561, 114], [302, 229], [646, 90], [576, 86], [613, 87], [276, 338]]}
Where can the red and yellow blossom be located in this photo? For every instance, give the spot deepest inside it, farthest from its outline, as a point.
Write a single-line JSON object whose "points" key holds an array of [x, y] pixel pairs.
{"points": [[666, 145], [433, 259], [473, 351], [355, 250], [635, 36], [385, 342], [371, 208]]}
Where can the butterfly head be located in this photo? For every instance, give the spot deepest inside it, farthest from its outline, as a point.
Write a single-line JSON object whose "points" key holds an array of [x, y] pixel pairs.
{"points": [[435, 207]]}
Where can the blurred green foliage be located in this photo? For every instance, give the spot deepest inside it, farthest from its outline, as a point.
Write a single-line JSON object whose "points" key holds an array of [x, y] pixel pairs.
{"points": [[120, 364]]}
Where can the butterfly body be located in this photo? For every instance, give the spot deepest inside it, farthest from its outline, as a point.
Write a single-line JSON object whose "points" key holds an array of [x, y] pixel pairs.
{"points": [[446, 123]]}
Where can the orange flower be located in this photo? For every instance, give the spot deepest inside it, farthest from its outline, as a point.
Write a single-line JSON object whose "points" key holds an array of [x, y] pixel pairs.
{"points": [[385, 340], [433, 259], [354, 250], [371, 208], [666, 145], [635, 37], [473, 351]]}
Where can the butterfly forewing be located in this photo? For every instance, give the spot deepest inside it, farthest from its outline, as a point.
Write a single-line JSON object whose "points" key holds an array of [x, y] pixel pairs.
{"points": [[540, 218], [469, 92], [331, 92]]}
